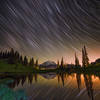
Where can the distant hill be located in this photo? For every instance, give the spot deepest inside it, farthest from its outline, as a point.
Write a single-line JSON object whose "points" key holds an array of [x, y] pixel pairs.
{"points": [[96, 62], [48, 65]]}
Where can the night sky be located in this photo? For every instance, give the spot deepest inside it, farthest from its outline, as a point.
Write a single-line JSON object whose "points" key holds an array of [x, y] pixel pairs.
{"points": [[50, 29]]}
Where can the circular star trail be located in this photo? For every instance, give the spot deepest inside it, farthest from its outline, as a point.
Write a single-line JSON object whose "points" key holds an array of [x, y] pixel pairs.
{"points": [[50, 29]]}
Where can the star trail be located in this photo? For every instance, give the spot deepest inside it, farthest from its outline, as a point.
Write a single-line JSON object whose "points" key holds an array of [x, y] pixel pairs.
{"points": [[50, 29]]}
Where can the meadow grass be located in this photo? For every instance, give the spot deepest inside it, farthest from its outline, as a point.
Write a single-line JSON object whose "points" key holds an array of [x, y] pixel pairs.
{"points": [[5, 67]]}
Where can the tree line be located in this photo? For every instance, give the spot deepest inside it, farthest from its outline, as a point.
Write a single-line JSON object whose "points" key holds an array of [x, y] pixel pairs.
{"points": [[85, 60], [14, 57]]}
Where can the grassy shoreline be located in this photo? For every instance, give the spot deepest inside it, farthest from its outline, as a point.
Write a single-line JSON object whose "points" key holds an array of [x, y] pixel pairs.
{"points": [[6, 68], [19, 68]]}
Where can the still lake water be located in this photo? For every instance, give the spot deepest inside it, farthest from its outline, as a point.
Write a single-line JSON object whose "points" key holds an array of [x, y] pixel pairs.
{"points": [[51, 86]]}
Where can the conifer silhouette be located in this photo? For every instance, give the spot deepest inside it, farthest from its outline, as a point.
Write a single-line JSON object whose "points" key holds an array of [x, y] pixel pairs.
{"points": [[76, 61], [25, 62], [85, 59]]}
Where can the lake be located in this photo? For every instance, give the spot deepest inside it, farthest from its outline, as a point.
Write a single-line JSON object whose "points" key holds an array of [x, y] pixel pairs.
{"points": [[51, 86]]}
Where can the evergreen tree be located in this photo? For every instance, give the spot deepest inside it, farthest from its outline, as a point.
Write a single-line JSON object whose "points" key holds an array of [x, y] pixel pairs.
{"points": [[31, 63], [11, 59], [16, 56], [62, 63], [36, 64], [85, 59], [58, 64], [25, 62], [5, 54], [76, 61], [8, 54], [1, 54], [12, 52], [21, 59]]}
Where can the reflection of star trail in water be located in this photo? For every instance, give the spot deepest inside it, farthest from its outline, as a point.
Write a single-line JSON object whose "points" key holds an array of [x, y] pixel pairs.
{"points": [[49, 29], [58, 87]]}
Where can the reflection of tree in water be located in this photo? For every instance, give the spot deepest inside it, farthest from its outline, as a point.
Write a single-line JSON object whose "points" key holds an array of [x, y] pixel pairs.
{"points": [[23, 79], [89, 85], [30, 78], [35, 76], [78, 77], [7, 92], [87, 80], [17, 80], [58, 78], [61, 77], [12, 85]]}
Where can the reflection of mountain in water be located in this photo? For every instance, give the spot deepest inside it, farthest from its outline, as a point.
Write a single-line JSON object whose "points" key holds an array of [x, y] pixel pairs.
{"points": [[48, 65], [49, 75]]}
